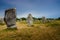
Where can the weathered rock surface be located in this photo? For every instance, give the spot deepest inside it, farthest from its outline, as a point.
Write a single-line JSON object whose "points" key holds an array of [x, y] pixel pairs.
{"points": [[10, 18], [30, 20]]}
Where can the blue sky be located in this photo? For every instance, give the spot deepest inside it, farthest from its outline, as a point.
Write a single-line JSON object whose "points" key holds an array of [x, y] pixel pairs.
{"points": [[38, 8]]}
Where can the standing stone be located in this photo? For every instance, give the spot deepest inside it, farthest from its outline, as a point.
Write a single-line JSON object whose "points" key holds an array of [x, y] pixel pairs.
{"points": [[43, 19], [30, 20], [10, 18], [20, 20], [1, 21]]}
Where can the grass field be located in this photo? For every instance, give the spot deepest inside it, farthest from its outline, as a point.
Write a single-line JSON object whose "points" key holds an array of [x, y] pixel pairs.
{"points": [[40, 31]]}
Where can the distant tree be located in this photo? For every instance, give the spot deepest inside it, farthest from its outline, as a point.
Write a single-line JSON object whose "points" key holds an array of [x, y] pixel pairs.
{"points": [[39, 18], [23, 18], [17, 19], [58, 18], [50, 18], [34, 18]]}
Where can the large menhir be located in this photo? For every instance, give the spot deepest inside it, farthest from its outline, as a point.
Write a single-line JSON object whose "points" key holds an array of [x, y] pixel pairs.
{"points": [[10, 18]]}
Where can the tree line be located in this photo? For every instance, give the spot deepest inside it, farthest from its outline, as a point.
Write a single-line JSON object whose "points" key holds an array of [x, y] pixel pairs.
{"points": [[23, 18]]}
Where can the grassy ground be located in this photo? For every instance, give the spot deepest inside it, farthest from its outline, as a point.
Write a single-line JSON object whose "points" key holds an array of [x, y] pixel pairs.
{"points": [[47, 31]]}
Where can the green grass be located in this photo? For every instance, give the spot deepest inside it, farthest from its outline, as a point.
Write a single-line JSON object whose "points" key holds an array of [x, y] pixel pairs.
{"points": [[2, 24], [38, 32], [53, 24]]}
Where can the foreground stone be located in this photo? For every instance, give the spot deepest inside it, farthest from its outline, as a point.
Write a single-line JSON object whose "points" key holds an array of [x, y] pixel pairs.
{"points": [[10, 18]]}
